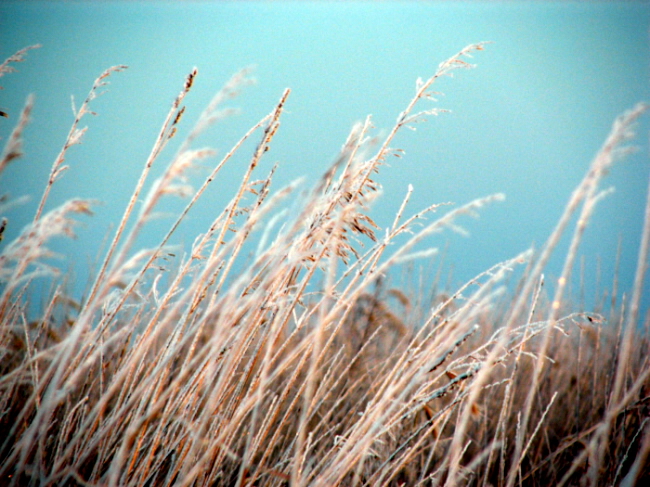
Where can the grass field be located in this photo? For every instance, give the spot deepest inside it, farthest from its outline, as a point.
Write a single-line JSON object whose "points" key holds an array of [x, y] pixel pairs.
{"points": [[301, 364]]}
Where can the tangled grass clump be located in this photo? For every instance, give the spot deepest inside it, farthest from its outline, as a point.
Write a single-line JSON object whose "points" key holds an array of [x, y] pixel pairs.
{"points": [[301, 367]]}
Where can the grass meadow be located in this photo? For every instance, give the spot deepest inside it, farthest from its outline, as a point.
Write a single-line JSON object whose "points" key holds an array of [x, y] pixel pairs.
{"points": [[299, 363]]}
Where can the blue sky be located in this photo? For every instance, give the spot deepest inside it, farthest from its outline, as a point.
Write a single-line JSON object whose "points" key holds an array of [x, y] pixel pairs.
{"points": [[526, 121]]}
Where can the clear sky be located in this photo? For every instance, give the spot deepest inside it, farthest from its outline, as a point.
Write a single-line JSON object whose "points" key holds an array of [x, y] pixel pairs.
{"points": [[526, 122]]}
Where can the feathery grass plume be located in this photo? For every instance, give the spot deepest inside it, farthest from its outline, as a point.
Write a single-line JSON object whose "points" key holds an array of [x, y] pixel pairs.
{"points": [[304, 365], [13, 148], [75, 134], [17, 57], [29, 248]]}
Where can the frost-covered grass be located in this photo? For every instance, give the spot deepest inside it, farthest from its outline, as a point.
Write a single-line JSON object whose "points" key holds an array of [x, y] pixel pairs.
{"points": [[301, 365]]}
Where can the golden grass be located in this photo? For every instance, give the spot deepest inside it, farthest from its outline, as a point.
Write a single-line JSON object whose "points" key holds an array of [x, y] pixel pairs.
{"points": [[303, 367]]}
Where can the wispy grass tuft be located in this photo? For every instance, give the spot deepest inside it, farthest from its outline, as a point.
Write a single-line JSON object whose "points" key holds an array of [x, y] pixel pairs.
{"points": [[301, 365]]}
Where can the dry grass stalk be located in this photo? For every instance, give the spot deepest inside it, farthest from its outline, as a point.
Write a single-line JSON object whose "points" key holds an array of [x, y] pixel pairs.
{"points": [[301, 367]]}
